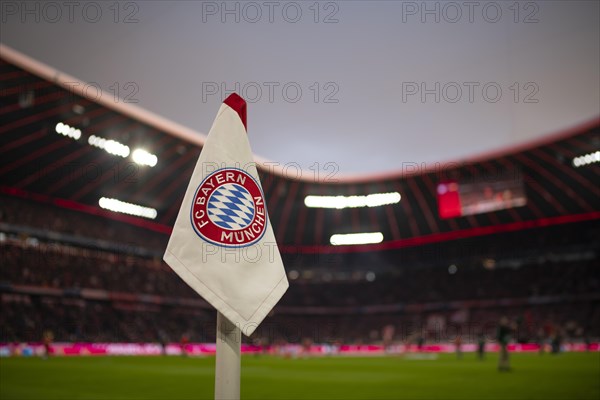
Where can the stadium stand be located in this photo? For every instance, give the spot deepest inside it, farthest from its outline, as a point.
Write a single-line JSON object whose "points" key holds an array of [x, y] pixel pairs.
{"points": [[94, 290]]}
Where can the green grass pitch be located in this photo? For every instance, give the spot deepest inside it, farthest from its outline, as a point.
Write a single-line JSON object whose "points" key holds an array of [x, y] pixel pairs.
{"points": [[564, 376]]}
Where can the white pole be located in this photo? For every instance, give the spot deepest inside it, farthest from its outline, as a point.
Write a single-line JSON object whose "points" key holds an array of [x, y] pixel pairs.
{"points": [[228, 363]]}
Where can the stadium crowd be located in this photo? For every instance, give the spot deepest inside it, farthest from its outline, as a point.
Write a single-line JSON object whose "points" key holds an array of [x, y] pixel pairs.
{"points": [[25, 318], [68, 267], [556, 294]]}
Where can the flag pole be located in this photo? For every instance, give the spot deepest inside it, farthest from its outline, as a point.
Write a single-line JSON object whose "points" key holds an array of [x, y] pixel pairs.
{"points": [[228, 359]]}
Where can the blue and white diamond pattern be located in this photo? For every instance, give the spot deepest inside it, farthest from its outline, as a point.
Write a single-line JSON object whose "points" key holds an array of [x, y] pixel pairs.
{"points": [[231, 207]]}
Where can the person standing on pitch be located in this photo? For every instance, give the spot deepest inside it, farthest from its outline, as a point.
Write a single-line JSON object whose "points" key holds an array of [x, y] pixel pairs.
{"points": [[503, 337], [48, 338], [481, 346], [458, 346]]}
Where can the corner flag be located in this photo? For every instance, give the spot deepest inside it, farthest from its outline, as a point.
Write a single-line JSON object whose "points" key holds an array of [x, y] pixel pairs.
{"points": [[222, 243]]}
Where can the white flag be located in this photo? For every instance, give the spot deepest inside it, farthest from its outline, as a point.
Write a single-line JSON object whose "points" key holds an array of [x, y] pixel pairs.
{"points": [[222, 244]]}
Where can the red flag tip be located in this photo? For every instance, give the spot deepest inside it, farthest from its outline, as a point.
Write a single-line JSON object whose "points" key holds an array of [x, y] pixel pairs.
{"points": [[238, 104]]}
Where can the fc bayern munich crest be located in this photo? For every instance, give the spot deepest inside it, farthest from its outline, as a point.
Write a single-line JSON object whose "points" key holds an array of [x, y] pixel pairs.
{"points": [[228, 209]]}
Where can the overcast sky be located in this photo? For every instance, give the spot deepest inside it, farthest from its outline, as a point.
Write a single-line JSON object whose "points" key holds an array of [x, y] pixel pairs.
{"points": [[382, 83]]}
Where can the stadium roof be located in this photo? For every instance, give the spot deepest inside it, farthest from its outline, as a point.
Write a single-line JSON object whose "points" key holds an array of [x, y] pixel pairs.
{"points": [[71, 170], [419, 86]]}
